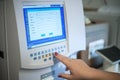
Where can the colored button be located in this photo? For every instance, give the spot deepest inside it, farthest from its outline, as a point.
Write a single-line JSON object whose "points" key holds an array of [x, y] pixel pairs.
{"points": [[46, 55], [55, 48], [50, 54], [49, 50], [62, 50], [45, 51], [43, 56], [31, 55], [39, 57], [42, 52], [64, 46], [50, 58], [45, 59], [35, 58], [52, 49], [38, 53], [35, 54], [58, 47], [58, 51]]}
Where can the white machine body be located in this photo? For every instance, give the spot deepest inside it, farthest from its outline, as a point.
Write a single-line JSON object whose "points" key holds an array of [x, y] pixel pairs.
{"points": [[35, 29], [40, 55]]}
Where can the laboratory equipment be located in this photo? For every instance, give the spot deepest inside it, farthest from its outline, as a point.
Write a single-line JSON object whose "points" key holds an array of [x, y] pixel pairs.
{"points": [[33, 31]]}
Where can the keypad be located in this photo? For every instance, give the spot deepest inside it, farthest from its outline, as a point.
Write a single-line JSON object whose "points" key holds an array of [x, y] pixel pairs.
{"points": [[47, 54]]}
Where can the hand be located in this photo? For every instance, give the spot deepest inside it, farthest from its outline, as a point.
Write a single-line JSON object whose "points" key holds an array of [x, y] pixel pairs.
{"points": [[79, 70]]}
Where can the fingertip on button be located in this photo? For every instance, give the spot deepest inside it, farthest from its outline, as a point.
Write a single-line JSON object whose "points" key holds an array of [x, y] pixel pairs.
{"points": [[55, 53]]}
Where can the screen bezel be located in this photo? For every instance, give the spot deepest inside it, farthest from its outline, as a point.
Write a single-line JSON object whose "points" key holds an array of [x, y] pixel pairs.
{"points": [[46, 41]]}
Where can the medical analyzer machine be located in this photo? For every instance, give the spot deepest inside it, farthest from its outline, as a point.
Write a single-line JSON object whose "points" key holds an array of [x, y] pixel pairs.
{"points": [[34, 31]]}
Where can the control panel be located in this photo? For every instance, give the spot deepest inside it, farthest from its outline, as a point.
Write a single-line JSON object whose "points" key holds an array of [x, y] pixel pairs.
{"points": [[47, 54]]}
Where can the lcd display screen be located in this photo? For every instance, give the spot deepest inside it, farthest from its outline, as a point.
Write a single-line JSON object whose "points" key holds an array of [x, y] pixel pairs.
{"points": [[44, 24]]}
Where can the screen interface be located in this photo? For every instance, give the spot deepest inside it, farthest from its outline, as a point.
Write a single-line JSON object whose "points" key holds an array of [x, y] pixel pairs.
{"points": [[44, 24]]}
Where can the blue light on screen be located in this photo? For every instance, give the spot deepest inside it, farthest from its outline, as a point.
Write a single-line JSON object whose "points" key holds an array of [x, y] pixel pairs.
{"points": [[44, 25]]}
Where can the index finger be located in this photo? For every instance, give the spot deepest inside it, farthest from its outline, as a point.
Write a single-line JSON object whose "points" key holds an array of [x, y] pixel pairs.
{"points": [[63, 59]]}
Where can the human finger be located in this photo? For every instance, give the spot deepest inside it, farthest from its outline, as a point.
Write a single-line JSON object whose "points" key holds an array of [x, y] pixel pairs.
{"points": [[65, 76], [63, 59], [67, 69]]}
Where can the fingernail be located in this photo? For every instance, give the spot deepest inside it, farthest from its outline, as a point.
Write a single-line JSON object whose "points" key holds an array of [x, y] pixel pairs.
{"points": [[56, 53], [59, 76]]}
